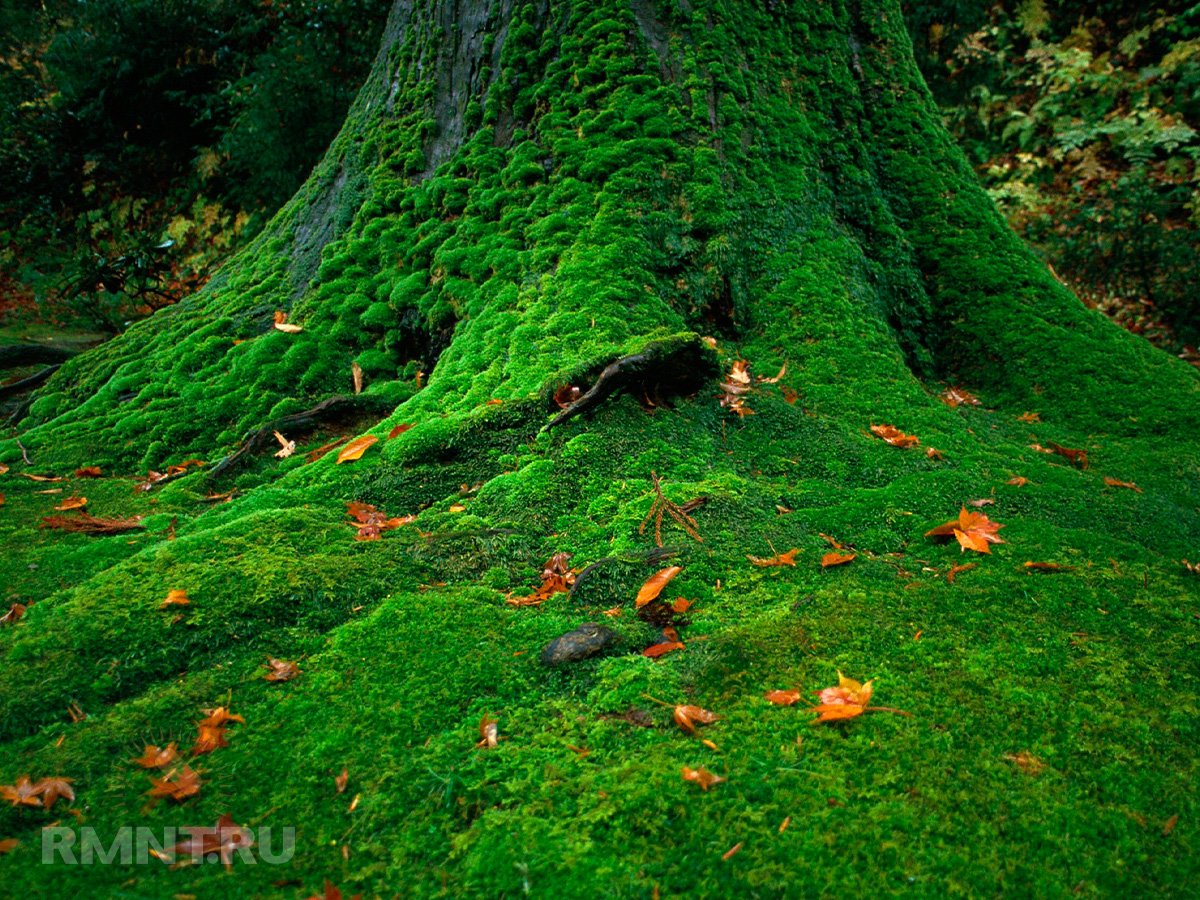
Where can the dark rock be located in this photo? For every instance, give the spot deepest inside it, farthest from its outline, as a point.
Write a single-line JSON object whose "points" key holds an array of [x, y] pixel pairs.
{"points": [[586, 640]]}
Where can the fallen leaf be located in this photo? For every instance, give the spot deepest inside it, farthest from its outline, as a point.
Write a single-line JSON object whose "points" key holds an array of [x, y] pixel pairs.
{"points": [[342, 780], [3, 469], [1047, 567], [39, 477], [956, 396], [848, 691], [680, 605], [1076, 457], [84, 523], [557, 578], [613, 612], [494, 402], [761, 379], [567, 395], [88, 472], [732, 850], [735, 387], [224, 840], [1194, 568], [211, 730], [457, 507], [784, 824], [654, 585], [281, 323], [981, 502], [654, 651], [1026, 762], [702, 777], [489, 733], [356, 375], [687, 717], [954, 570], [51, 789], [356, 448], [219, 498], [400, 429], [1170, 824], [15, 611], [894, 436], [313, 455], [372, 522], [157, 757], [1113, 482], [833, 558], [1031, 418], [8, 845], [974, 531], [23, 793], [790, 395], [783, 698], [286, 447], [176, 598], [332, 893], [280, 669], [934, 453], [1018, 481], [779, 559]]}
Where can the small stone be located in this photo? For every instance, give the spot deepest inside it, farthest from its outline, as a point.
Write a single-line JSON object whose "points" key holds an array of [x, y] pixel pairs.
{"points": [[586, 640]]}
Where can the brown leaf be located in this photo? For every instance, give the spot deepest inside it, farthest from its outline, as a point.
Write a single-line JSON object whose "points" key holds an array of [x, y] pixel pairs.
{"points": [[39, 477], [680, 605], [762, 379], [313, 455], [280, 669], [23, 793], [779, 559], [1170, 824], [286, 447], [1026, 762], [954, 570], [88, 472], [567, 395], [400, 429], [157, 757], [356, 448], [1113, 482], [1076, 457], [894, 436], [735, 387], [15, 611], [1047, 567], [654, 651], [655, 583], [956, 396], [833, 558], [688, 717], [51, 789], [489, 733], [219, 498], [702, 777], [783, 698], [224, 840], [8, 845], [1030, 418], [1018, 481], [356, 375], [732, 850], [934, 453], [84, 523], [981, 502], [342, 780], [373, 522]]}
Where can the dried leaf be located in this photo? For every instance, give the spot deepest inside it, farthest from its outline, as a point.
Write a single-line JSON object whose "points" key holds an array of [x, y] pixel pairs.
{"points": [[847, 691], [735, 387], [356, 375], [894, 436], [280, 669], [373, 522], [8, 845], [39, 477], [1026, 762], [1018, 481], [224, 841], [702, 777], [981, 502], [281, 324], [1030, 418], [23, 793], [934, 453], [974, 531], [779, 559], [654, 651], [313, 455], [286, 447], [356, 448], [688, 717], [567, 395], [51, 789], [176, 598], [680, 605], [1047, 567], [84, 523], [15, 611], [1169, 825], [88, 472], [157, 757], [219, 498], [400, 429], [833, 558], [761, 379], [956, 396], [1076, 457], [783, 698], [655, 583], [557, 578], [1113, 482], [342, 780], [489, 733], [732, 850], [954, 570]]}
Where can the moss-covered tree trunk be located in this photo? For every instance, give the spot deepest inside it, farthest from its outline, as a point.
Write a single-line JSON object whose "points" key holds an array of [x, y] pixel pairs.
{"points": [[525, 194]]}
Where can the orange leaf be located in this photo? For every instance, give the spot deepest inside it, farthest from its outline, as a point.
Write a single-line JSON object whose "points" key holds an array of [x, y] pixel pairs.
{"points": [[23, 793], [702, 777], [489, 732], [656, 650], [894, 436], [157, 757], [655, 584], [956, 396], [779, 559], [833, 712], [342, 780], [15, 611], [176, 598], [39, 477], [280, 669], [281, 323], [8, 845], [783, 698], [50, 789], [680, 605], [974, 531], [954, 570], [833, 558], [88, 472], [687, 717], [177, 786], [732, 850], [1018, 481], [1047, 567], [356, 448], [1113, 482], [848, 691], [400, 429], [934, 453], [1031, 418]]}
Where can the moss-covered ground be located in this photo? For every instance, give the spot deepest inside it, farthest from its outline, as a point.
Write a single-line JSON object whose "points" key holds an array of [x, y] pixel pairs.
{"points": [[798, 201]]}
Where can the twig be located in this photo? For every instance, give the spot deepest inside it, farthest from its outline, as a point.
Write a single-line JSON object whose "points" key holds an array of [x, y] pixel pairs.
{"points": [[24, 453]]}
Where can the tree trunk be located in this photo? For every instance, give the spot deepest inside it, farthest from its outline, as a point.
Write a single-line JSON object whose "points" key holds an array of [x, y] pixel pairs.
{"points": [[627, 197]]}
